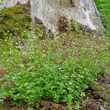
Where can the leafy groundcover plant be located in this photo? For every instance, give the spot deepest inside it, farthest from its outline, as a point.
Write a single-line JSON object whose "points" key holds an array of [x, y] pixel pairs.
{"points": [[59, 69], [52, 69], [103, 7], [1, 4]]}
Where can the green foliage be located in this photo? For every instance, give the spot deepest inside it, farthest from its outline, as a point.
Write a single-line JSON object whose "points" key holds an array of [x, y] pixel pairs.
{"points": [[75, 27], [1, 12], [50, 70], [14, 23], [39, 31], [104, 7], [5, 55]]}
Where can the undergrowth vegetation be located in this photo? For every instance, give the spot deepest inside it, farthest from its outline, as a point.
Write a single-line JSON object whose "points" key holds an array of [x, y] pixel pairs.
{"points": [[1, 12], [103, 7], [59, 69]]}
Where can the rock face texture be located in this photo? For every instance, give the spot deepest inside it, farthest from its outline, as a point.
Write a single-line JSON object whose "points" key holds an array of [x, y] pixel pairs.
{"points": [[10, 3], [60, 13]]}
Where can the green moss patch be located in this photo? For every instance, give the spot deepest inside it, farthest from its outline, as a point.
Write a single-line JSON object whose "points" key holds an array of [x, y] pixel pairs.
{"points": [[39, 31], [101, 92], [15, 23]]}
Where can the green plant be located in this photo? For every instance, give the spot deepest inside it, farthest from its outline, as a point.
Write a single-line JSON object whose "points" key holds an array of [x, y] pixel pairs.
{"points": [[104, 8], [39, 32], [105, 104], [1, 11], [30, 109], [5, 54], [47, 69], [77, 107], [75, 27]]}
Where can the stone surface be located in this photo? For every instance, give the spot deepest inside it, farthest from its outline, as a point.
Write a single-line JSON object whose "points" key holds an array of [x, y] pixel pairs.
{"points": [[101, 90], [50, 12], [10, 3], [54, 13]]}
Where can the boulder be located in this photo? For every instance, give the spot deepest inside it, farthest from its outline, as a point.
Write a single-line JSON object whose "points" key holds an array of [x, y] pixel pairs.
{"points": [[10, 3], [58, 14]]}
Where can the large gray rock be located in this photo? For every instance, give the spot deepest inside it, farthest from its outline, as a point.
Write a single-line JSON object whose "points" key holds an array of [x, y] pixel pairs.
{"points": [[10, 3], [53, 13]]}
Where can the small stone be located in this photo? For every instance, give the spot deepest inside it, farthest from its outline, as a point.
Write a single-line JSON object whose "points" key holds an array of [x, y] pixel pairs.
{"points": [[102, 108]]}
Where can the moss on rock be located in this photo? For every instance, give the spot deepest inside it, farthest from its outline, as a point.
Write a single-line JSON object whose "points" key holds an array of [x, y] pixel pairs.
{"points": [[101, 91], [14, 22], [39, 31], [75, 27]]}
